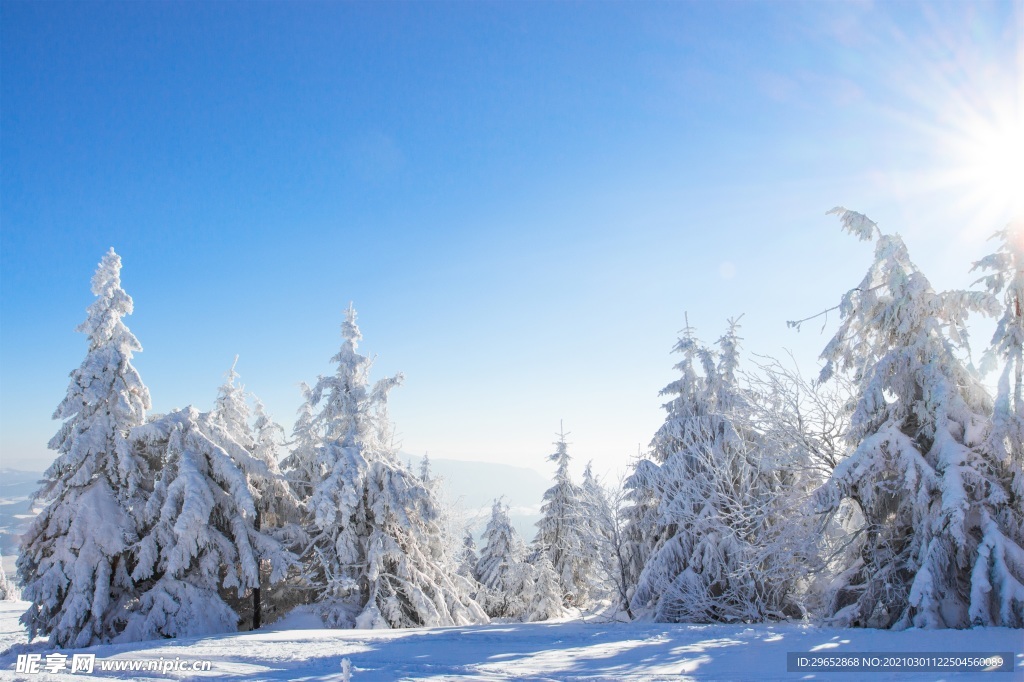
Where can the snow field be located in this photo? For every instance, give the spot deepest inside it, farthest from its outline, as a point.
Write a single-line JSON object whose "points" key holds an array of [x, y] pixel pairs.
{"points": [[561, 650]]}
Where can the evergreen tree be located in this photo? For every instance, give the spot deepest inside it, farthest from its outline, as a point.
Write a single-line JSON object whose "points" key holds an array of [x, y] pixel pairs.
{"points": [[275, 504], [199, 526], [278, 513], [468, 557], [8, 590], [541, 589], [929, 489], [301, 464], [1005, 280], [644, 487], [564, 530], [499, 568], [74, 564], [639, 518], [517, 583], [425, 474], [378, 556], [722, 550], [231, 410], [602, 548]]}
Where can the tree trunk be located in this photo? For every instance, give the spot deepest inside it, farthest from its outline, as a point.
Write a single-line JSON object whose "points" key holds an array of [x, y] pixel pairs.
{"points": [[257, 606]]}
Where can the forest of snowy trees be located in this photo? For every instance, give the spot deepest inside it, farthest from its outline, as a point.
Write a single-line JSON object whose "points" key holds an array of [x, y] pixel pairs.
{"points": [[888, 492]]}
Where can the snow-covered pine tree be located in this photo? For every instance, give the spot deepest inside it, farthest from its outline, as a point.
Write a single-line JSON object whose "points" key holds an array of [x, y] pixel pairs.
{"points": [[564, 531], [425, 474], [499, 566], [74, 565], [517, 582], [198, 533], [445, 516], [1005, 280], [301, 464], [276, 505], [603, 546], [468, 556], [231, 410], [458, 557], [722, 550], [8, 590], [642, 528], [921, 473], [998, 581], [378, 556], [279, 514], [638, 523], [541, 589]]}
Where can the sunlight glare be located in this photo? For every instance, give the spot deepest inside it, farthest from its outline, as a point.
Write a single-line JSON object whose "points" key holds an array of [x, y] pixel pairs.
{"points": [[992, 155], [964, 110]]}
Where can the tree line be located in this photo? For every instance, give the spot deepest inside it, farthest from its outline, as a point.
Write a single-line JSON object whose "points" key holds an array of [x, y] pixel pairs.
{"points": [[887, 492]]}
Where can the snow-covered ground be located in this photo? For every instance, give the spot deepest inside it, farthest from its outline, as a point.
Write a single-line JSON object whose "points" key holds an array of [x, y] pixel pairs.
{"points": [[570, 650]]}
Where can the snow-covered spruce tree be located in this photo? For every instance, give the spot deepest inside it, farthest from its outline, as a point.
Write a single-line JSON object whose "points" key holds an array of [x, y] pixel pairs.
{"points": [[445, 512], [541, 589], [499, 568], [8, 590], [279, 514], [516, 582], [564, 530], [638, 523], [642, 526], [231, 410], [425, 473], [198, 534], [301, 465], [275, 504], [723, 552], [1005, 280], [468, 556], [74, 565], [454, 557], [921, 473], [377, 556]]}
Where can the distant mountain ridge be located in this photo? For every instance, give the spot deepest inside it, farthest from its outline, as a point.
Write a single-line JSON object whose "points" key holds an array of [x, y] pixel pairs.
{"points": [[470, 486], [16, 491], [473, 486]]}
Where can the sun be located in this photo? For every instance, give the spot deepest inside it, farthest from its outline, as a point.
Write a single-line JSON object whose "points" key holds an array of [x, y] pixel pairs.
{"points": [[963, 96], [988, 163], [977, 171]]}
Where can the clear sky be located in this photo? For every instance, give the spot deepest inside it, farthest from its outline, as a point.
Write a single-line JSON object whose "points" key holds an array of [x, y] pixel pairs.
{"points": [[522, 199]]}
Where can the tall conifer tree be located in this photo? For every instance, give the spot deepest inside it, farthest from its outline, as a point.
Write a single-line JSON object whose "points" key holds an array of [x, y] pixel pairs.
{"points": [[378, 556], [563, 530], [75, 562], [922, 471]]}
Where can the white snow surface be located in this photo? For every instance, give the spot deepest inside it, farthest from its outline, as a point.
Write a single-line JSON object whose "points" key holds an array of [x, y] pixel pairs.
{"points": [[560, 650]]}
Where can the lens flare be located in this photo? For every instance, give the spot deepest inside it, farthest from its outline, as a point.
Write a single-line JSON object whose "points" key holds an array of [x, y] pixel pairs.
{"points": [[989, 165]]}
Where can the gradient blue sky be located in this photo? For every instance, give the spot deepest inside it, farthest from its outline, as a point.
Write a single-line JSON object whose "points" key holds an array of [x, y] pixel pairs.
{"points": [[521, 199]]}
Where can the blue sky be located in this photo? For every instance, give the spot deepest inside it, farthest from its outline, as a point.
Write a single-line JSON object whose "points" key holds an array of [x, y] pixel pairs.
{"points": [[521, 199]]}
